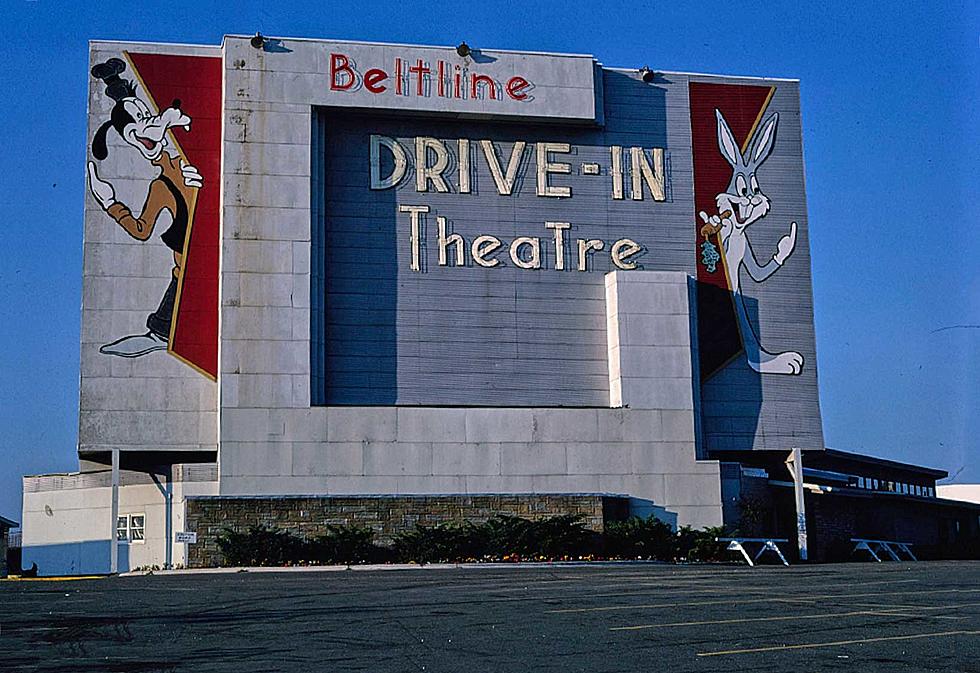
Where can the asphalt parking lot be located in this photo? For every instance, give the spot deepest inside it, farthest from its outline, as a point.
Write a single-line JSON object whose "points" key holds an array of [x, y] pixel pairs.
{"points": [[892, 617]]}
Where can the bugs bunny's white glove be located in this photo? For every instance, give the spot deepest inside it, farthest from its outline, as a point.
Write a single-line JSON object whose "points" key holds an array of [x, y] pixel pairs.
{"points": [[785, 246]]}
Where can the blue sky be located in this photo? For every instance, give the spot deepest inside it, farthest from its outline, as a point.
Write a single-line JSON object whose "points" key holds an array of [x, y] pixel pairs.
{"points": [[890, 102]]}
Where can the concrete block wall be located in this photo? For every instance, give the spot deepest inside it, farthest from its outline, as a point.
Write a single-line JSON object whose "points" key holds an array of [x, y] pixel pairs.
{"points": [[153, 402], [273, 442], [649, 324]]}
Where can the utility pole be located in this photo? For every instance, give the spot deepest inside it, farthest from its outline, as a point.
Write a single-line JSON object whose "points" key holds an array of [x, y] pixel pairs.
{"points": [[113, 542], [794, 462]]}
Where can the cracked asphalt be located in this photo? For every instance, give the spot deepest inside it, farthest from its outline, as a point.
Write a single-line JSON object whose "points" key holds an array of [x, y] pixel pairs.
{"points": [[895, 617]]}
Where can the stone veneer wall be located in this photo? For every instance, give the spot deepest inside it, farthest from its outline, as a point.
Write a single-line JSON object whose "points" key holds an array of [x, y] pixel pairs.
{"points": [[388, 515]]}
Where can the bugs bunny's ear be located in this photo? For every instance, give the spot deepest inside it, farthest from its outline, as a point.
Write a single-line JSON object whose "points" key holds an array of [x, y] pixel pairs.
{"points": [[767, 138], [726, 142]]}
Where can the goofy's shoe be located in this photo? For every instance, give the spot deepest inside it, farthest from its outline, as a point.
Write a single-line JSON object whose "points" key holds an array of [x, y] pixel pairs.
{"points": [[135, 346]]}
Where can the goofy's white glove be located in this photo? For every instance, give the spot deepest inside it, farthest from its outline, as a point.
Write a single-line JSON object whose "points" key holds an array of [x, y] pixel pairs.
{"points": [[101, 190], [192, 178]]}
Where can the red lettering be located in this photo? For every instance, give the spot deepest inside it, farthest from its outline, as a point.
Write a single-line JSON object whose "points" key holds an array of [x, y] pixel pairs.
{"points": [[340, 65], [373, 79], [419, 70], [516, 86], [485, 79], [453, 81]]}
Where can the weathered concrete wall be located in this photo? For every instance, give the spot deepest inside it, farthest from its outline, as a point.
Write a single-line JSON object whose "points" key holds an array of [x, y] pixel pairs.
{"points": [[652, 353], [153, 402], [309, 516]]}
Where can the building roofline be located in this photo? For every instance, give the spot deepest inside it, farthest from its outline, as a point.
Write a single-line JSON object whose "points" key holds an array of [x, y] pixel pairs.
{"points": [[370, 43], [408, 45], [686, 73], [8, 523], [884, 462]]}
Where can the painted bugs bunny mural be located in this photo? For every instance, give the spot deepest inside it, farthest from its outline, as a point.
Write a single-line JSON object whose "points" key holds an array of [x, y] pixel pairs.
{"points": [[740, 205]]}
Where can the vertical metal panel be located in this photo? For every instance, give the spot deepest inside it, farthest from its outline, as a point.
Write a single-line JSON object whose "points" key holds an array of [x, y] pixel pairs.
{"points": [[317, 233]]}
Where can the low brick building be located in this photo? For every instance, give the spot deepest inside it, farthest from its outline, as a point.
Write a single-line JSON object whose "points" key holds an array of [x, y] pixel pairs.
{"points": [[848, 495]]}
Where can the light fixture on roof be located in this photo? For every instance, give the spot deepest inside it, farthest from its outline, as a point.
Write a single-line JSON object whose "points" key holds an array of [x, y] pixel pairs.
{"points": [[463, 50], [646, 74], [257, 41]]}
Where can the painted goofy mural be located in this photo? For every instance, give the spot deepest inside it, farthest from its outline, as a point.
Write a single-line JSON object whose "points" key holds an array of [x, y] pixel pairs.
{"points": [[174, 190]]}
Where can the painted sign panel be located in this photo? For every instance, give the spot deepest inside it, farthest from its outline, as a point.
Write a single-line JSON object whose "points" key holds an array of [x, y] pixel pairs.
{"points": [[456, 259], [755, 320], [149, 337], [157, 99], [430, 79]]}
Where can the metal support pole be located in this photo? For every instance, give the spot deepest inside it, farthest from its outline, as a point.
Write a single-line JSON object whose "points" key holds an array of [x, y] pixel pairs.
{"points": [[113, 542], [795, 464], [167, 491], [168, 498]]}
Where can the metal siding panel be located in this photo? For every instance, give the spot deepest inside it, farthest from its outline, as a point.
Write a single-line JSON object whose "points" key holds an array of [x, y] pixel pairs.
{"points": [[488, 337], [509, 337]]}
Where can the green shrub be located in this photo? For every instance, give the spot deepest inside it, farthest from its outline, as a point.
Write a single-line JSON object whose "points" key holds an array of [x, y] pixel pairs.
{"points": [[259, 546], [419, 545], [515, 538], [705, 548], [342, 544], [506, 536], [684, 541], [560, 537], [502, 537], [636, 537], [460, 542]]}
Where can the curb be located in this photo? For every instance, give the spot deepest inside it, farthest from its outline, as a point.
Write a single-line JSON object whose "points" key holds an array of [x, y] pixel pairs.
{"points": [[374, 567]]}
